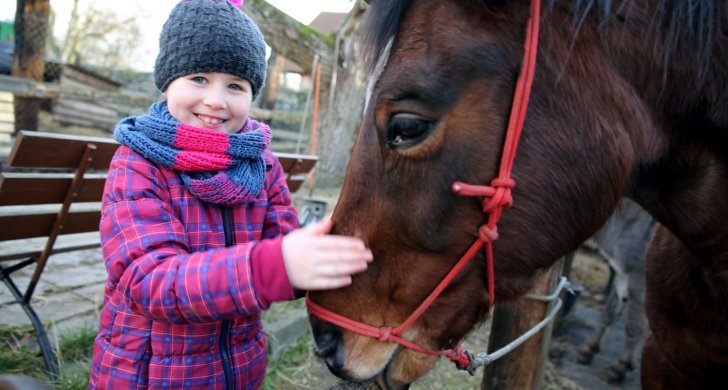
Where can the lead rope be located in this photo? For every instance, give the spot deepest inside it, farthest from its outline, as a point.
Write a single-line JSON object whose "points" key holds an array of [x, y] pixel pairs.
{"points": [[484, 358], [496, 197]]}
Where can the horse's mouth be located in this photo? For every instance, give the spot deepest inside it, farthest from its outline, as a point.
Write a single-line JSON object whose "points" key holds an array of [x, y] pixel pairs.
{"points": [[379, 382], [384, 384]]}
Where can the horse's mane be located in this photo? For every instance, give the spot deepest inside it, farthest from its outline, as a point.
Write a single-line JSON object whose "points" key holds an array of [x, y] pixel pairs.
{"points": [[695, 20]]}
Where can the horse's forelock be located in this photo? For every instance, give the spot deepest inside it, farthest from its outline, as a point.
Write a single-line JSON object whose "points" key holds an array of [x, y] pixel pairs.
{"points": [[381, 25]]}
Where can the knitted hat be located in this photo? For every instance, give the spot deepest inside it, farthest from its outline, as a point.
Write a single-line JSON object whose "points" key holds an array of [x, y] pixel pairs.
{"points": [[210, 36]]}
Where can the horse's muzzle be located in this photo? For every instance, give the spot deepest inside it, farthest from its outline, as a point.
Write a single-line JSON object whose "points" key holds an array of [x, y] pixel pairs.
{"points": [[329, 345]]}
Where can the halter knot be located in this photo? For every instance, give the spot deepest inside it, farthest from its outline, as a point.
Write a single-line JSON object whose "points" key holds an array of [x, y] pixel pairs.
{"points": [[385, 334], [502, 195], [486, 234]]}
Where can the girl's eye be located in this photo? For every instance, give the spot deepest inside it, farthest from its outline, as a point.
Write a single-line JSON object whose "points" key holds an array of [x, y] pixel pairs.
{"points": [[235, 87], [406, 130], [199, 79]]}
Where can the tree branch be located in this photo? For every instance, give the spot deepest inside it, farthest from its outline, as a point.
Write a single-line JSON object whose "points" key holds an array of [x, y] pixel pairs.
{"points": [[290, 38]]}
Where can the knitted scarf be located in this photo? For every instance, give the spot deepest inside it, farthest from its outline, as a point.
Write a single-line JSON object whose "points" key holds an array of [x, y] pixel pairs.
{"points": [[216, 166]]}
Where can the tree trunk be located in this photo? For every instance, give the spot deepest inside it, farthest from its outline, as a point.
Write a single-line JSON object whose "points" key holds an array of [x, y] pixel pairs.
{"points": [[343, 108], [31, 29], [272, 82]]}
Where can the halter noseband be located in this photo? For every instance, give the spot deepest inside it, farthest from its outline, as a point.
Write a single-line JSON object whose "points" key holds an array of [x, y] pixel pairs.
{"points": [[496, 198]]}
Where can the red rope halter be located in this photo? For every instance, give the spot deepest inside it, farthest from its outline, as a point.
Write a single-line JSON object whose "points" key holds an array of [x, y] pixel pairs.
{"points": [[496, 198]]}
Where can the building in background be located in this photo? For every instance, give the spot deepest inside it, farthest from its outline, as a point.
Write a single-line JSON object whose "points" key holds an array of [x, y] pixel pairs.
{"points": [[292, 76]]}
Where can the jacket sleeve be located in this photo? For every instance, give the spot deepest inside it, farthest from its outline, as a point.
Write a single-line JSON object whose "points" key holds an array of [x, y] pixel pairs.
{"points": [[281, 217], [147, 253], [270, 277]]}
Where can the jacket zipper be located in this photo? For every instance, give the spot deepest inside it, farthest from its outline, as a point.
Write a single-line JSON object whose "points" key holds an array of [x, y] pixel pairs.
{"points": [[227, 223]]}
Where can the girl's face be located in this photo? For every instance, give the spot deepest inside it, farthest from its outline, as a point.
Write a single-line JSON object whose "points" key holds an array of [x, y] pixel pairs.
{"points": [[216, 101]]}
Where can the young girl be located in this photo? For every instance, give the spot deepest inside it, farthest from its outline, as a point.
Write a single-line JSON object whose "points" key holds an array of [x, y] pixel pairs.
{"points": [[196, 220]]}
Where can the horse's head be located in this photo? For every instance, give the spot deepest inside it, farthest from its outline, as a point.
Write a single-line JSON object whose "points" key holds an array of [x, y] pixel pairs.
{"points": [[437, 114]]}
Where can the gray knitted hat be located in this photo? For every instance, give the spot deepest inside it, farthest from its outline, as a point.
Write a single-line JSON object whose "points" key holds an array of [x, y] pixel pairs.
{"points": [[210, 36]]}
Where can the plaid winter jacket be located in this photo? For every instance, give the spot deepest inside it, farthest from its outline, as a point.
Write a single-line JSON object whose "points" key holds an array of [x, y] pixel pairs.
{"points": [[181, 310]]}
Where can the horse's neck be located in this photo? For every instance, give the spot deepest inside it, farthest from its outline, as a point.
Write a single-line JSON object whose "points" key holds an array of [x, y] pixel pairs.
{"points": [[685, 185], [688, 193]]}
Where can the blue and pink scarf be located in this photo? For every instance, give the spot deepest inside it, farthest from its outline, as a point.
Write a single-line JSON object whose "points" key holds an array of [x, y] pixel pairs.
{"points": [[216, 166]]}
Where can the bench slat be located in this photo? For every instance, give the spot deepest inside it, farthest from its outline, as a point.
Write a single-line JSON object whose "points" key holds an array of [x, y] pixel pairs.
{"points": [[295, 182], [19, 226], [56, 249], [294, 164], [50, 150], [40, 188]]}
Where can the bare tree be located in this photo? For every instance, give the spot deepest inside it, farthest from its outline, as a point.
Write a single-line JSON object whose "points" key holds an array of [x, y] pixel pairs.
{"points": [[72, 33], [98, 37], [31, 29]]}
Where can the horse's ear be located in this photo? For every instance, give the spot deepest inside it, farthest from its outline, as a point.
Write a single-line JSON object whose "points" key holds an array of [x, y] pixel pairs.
{"points": [[495, 4]]}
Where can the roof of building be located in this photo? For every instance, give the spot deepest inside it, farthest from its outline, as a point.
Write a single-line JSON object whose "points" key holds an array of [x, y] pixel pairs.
{"points": [[328, 22]]}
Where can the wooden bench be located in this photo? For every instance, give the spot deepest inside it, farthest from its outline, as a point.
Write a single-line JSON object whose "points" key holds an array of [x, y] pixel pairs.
{"points": [[297, 167], [51, 190]]}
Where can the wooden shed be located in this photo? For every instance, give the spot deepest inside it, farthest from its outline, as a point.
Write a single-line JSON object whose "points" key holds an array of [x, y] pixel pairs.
{"points": [[69, 110]]}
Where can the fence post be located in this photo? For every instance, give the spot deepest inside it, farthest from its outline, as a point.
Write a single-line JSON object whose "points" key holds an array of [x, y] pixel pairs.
{"points": [[522, 368]]}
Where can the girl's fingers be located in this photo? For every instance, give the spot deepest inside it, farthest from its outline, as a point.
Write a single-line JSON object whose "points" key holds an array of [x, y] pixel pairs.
{"points": [[331, 283], [343, 243], [319, 229], [316, 260], [328, 258], [341, 269]]}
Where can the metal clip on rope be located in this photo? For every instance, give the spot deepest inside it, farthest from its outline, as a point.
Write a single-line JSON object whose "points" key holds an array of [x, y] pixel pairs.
{"points": [[483, 358]]}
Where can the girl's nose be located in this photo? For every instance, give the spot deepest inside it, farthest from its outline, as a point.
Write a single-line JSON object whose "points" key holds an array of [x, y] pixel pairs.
{"points": [[214, 99]]}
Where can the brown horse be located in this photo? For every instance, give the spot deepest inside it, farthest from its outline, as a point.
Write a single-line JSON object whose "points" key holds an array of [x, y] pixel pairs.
{"points": [[630, 98]]}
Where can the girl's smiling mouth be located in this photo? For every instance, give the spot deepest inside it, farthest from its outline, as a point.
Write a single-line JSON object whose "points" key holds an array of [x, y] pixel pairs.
{"points": [[209, 119]]}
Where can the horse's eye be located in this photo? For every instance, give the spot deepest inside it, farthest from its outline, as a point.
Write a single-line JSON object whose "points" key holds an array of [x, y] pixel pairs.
{"points": [[406, 130]]}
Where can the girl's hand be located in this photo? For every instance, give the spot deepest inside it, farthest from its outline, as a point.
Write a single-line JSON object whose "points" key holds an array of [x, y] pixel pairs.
{"points": [[317, 261]]}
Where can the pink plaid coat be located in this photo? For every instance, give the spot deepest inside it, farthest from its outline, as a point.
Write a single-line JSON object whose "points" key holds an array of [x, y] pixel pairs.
{"points": [[182, 310]]}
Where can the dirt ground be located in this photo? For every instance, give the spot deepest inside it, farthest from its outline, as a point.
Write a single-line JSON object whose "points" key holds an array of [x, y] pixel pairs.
{"points": [[592, 273]]}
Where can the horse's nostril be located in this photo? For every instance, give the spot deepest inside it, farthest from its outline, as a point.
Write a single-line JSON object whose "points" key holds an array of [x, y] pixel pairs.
{"points": [[326, 345], [329, 346]]}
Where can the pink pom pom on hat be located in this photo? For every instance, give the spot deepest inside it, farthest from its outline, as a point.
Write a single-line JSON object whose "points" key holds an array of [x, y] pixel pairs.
{"points": [[237, 3]]}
